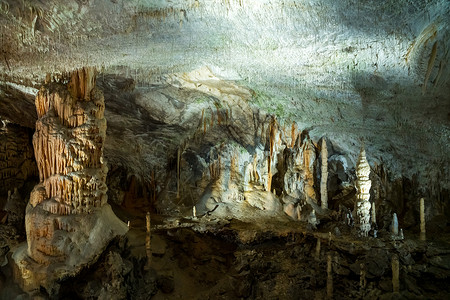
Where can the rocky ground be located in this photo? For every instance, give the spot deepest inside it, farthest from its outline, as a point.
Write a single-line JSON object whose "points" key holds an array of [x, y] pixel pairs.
{"points": [[209, 258]]}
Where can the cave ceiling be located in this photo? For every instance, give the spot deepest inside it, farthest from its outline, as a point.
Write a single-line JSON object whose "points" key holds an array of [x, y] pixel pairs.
{"points": [[349, 70]]}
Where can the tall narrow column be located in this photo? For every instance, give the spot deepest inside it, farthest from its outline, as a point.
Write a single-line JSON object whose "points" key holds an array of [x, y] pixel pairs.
{"points": [[395, 274], [329, 277], [148, 239], [324, 177], [363, 185], [422, 219]]}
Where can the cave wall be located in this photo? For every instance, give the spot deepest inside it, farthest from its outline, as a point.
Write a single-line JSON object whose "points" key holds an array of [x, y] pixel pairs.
{"points": [[17, 163]]}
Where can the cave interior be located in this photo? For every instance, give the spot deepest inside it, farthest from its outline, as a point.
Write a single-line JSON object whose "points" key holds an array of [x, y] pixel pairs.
{"points": [[224, 149]]}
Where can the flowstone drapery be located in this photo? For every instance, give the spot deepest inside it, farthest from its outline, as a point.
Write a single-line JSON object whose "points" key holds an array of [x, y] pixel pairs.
{"points": [[68, 222]]}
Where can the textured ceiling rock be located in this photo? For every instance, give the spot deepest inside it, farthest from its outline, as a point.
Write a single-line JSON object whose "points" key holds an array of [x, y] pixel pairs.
{"points": [[349, 70]]}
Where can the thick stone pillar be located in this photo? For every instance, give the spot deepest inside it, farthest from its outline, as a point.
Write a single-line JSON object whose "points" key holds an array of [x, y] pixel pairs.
{"points": [[68, 221]]}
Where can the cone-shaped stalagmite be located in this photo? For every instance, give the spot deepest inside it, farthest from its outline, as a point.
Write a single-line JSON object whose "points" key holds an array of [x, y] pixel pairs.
{"points": [[68, 222], [363, 184]]}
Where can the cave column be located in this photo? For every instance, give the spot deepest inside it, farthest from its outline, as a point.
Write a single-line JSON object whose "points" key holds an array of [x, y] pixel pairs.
{"points": [[324, 177], [363, 184], [68, 222]]}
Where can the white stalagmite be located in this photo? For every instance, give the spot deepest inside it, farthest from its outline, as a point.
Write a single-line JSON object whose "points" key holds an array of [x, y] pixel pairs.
{"points": [[394, 225], [363, 185], [324, 177]]}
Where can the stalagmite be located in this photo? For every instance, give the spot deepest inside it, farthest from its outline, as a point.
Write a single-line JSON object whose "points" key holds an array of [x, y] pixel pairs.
{"points": [[324, 177], [312, 220], [148, 249], [178, 172], [318, 249], [272, 134], [363, 184], [329, 277], [362, 276], [68, 145], [395, 274], [422, 219], [374, 214], [394, 228]]}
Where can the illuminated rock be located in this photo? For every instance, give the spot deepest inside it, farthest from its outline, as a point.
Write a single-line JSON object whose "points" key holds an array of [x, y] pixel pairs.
{"points": [[363, 184], [68, 222], [324, 177]]}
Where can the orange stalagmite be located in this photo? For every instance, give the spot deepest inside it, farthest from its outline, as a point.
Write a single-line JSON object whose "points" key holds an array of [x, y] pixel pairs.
{"points": [[68, 221]]}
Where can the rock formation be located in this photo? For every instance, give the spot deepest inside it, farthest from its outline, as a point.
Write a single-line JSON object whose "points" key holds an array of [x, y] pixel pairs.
{"points": [[422, 219], [68, 222], [15, 208], [324, 177], [394, 227], [329, 277], [148, 249], [16, 157], [363, 184], [395, 274]]}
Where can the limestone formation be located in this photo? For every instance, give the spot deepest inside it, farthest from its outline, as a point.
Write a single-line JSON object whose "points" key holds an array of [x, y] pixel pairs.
{"points": [[148, 249], [16, 157], [299, 176], [374, 215], [318, 249], [15, 208], [362, 276], [312, 219], [395, 274], [324, 177], [329, 277], [394, 227], [68, 222], [363, 184], [422, 219]]}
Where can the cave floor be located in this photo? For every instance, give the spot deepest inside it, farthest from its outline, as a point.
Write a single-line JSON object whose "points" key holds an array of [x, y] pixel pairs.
{"points": [[211, 258]]}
